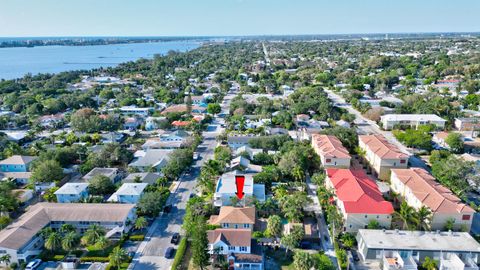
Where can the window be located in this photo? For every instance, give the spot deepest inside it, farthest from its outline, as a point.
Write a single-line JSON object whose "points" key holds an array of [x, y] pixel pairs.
{"points": [[243, 249], [402, 161], [328, 160], [231, 248], [225, 225], [236, 226], [466, 217], [246, 226]]}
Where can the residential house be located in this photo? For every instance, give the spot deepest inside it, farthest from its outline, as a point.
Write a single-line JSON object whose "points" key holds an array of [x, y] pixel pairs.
{"points": [[226, 189], [152, 123], [128, 193], [467, 124], [111, 173], [331, 151], [382, 155], [72, 192], [396, 249], [390, 121], [439, 139], [248, 150], [132, 123], [145, 177], [183, 108], [21, 239], [234, 218], [151, 159], [358, 199], [243, 164], [17, 167], [51, 121], [419, 188], [237, 141], [237, 246], [134, 110]]}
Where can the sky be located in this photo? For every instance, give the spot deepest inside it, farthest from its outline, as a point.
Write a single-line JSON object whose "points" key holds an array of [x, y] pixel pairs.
{"points": [[24, 18]]}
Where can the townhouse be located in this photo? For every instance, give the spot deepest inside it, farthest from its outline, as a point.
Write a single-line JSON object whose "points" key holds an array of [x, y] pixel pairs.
{"points": [[358, 199], [419, 188], [21, 239], [407, 250], [382, 155], [331, 151], [391, 121], [234, 218]]}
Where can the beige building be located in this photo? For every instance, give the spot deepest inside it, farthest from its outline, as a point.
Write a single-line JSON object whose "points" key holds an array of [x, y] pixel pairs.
{"points": [[382, 155], [419, 188], [234, 218], [331, 151], [390, 121]]}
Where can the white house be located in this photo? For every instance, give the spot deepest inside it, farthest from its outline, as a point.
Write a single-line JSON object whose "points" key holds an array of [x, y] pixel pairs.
{"points": [[72, 192], [128, 193], [389, 121], [151, 158], [226, 188]]}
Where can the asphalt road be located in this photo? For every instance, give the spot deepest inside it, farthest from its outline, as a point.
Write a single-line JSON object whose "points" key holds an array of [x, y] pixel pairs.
{"points": [[150, 254]]}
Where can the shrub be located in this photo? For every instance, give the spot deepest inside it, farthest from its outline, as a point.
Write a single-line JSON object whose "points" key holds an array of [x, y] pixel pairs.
{"points": [[137, 237], [182, 247], [94, 259]]}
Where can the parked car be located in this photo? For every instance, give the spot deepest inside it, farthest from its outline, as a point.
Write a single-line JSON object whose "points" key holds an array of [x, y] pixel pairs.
{"points": [[195, 156], [169, 252], [33, 264], [175, 238]]}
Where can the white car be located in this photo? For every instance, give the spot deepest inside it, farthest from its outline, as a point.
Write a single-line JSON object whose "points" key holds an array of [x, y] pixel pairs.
{"points": [[33, 264]]}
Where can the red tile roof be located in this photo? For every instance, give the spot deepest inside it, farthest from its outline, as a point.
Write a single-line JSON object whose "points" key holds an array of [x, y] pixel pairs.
{"points": [[358, 193], [180, 123], [329, 146], [431, 193], [381, 147]]}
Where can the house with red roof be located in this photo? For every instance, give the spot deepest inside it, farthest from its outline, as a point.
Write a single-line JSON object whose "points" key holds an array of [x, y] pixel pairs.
{"points": [[419, 188], [179, 123], [382, 155], [331, 151], [358, 199]]}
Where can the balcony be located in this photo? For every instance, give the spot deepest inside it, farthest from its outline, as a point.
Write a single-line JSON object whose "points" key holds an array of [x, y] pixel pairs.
{"points": [[451, 261], [393, 261]]}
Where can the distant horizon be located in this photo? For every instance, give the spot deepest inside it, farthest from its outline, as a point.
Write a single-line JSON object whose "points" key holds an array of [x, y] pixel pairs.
{"points": [[250, 35]]}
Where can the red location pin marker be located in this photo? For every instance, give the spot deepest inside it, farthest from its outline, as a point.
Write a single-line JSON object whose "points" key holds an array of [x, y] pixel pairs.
{"points": [[240, 182]]}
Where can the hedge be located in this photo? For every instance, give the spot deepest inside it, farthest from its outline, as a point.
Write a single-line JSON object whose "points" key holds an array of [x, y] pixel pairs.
{"points": [[137, 237], [94, 259], [182, 247]]}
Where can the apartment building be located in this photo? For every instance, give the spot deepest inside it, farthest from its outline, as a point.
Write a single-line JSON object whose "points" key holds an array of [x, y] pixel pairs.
{"points": [[331, 151], [419, 188], [358, 199], [382, 155], [389, 121]]}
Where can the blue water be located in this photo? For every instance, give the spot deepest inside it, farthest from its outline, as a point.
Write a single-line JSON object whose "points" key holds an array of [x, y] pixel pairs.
{"points": [[16, 62]]}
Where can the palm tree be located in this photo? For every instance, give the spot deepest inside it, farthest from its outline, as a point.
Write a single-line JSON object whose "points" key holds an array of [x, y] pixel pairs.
{"points": [[5, 259], [66, 228], [53, 241], [298, 174], [424, 216], [117, 257], [140, 223], [69, 240], [102, 242], [407, 215], [92, 235]]}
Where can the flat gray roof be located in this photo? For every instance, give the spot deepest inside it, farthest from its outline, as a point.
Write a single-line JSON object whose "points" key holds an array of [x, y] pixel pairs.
{"points": [[419, 240]]}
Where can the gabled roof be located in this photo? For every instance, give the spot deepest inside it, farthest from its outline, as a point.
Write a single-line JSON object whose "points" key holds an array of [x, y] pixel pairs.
{"points": [[431, 193], [329, 146], [358, 193], [231, 237], [230, 214], [19, 233], [17, 160], [381, 147]]}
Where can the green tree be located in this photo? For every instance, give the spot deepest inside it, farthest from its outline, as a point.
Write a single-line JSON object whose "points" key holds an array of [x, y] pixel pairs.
{"points": [[5, 259], [407, 215], [141, 223], [303, 260], [101, 185], [117, 257], [47, 171], [423, 218], [85, 120], [274, 226], [151, 203], [373, 225], [429, 264], [214, 108], [93, 233], [69, 240], [53, 241], [102, 242], [200, 243], [455, 142], [449, 225]]}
